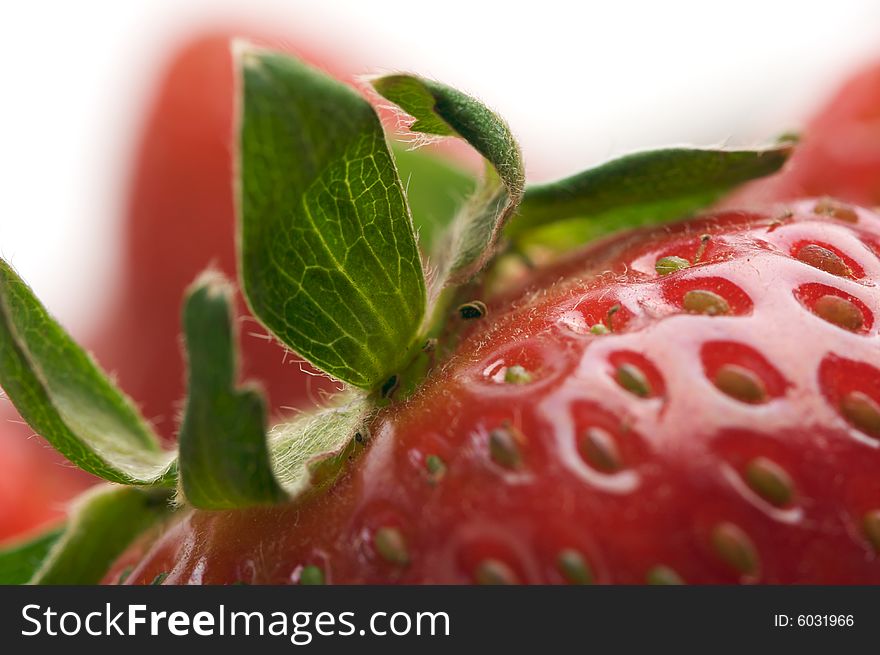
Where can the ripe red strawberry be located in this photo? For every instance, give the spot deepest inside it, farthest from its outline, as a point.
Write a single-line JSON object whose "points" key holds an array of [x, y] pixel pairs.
{"points": [[692, 403], [181, 194], [698, 402]]}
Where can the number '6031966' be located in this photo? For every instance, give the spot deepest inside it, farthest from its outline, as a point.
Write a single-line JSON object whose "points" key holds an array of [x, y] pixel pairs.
{"points": [[820, 620]]}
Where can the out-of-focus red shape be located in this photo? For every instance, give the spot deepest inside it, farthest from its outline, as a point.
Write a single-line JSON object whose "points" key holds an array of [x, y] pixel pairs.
{"points": [[179, 220], [838, 154], [35, 481]]}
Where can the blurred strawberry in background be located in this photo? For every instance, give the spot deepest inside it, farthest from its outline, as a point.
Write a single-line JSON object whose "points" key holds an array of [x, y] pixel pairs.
{"points": [[180, 219], [838, 153], [35, 481]]}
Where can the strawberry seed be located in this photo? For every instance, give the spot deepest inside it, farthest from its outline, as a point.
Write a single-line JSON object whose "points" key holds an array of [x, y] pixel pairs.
{"points": [[836, 209], [700, 301], [495, 572], [770, 481], [574, 567], [862, 411], [671, 264], [391, 546], [734, 548], [824, 259], [597, 447], [841, 312], [663, 575], [504, 448], [740, 383], [631, 378]]}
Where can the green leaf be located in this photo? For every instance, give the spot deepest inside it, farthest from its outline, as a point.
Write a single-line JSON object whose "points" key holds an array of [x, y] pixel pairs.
{"points": [[65, 397], [436, 190], [224, 461], [639, 189], [328, 256], [103, 523], [19, 561], [310, 451], [443, 111], [226, 458]]}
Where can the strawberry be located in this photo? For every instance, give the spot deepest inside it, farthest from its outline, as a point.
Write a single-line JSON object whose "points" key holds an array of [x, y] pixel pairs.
{"points": [[839, 151], [724, 426], [692, 401], [180, 212]]}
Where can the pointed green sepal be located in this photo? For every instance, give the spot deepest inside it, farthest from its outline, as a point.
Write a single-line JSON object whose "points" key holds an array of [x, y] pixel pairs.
{"points": [[103, 523], [224, 460], [328, 255], [66, 398], [643, 188], [442, 111], [19, 560]]}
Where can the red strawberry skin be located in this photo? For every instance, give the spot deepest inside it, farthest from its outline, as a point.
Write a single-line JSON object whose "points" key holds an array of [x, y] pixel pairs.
{"points": [[767, 474]]}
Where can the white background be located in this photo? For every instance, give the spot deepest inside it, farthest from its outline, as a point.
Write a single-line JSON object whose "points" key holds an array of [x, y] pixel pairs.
{"points": [[578, 82]]}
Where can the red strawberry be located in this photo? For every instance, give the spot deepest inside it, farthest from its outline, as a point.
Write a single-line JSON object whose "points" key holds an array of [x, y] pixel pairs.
{"points": [[35, 483], [180, 220], [714, 422], [838, 154]]}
